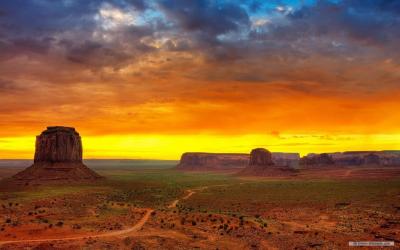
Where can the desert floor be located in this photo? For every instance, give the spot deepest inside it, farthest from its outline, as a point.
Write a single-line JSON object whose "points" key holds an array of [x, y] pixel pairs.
{"points": [[161, 208]]}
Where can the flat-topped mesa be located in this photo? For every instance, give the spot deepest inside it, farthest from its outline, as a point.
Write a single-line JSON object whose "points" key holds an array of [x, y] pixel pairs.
{"points": [[58, 144], [353, 158], [317, 159], [262, 164], [212, 161], [58, 157], [201, 161]]}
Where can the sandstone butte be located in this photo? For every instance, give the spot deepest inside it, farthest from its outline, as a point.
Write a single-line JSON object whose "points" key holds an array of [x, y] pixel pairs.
{"points": [[58, 157], [260, 157], [202, 161], [261, 164]]}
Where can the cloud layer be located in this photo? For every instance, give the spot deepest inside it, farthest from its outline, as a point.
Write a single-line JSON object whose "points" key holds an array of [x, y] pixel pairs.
{"points": [[189, 67]]}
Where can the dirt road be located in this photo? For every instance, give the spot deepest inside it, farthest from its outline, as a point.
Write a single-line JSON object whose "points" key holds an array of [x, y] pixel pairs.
{"points": [[125, 232], [175, 202], [128, 231]]}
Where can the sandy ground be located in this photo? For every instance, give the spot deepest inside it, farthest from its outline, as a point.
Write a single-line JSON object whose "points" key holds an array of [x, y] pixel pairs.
{"points": [[180, 224]]}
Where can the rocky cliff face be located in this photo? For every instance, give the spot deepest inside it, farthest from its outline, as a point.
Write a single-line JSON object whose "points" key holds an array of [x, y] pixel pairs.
{"points": [[58, 157], [58, 144], [286, 159], [212, 161], [220, 161], [318, 159], [260, 157], [353, 158], [262, 164]]}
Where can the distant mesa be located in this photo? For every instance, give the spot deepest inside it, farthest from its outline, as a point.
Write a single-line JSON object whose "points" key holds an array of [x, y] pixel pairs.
{"points": [[200, 161], [58, 157], [260, 157], [352, 158], [318, 159], [261, 164], [212, 161]]}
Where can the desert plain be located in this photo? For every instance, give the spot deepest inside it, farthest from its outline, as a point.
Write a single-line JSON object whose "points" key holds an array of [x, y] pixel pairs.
{"points": [[152, 205]]}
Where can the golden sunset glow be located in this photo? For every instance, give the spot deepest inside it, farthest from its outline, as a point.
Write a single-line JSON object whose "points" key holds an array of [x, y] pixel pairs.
{"points": [[149, 81], [172, 146]]}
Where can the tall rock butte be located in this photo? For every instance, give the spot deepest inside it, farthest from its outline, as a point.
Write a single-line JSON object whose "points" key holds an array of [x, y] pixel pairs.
{"points": [[58, 157], [260, 157], [262, 164]]}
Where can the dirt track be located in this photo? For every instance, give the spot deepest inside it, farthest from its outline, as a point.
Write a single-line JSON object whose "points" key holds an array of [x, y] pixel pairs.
{"points": [[175, 202], [125, 232], [128, 231]]}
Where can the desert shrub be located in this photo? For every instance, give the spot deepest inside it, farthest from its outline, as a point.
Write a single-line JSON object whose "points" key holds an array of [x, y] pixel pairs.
{"points": [[127, 241], [60, 224]]}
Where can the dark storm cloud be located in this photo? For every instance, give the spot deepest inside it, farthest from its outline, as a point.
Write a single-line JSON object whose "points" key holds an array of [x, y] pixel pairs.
{"points": [[209, 17], [139, 4], [66, 28], [41, 17], [89, 53], [368, 22], [220, 31]]}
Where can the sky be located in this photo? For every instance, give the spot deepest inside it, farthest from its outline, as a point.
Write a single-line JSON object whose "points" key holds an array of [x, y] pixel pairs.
{"points": [[153, 79]]}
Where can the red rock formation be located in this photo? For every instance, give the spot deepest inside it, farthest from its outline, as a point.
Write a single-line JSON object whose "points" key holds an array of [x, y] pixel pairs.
{"points": [[58, 144], [212, 161], [221, 161], [352, 158], [260, 157], [261, 164], [318, 159], [58, 157]]}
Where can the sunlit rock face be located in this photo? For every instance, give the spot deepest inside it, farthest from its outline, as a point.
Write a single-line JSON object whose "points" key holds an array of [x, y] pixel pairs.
{"points": [[58, 157], [58, 144]]}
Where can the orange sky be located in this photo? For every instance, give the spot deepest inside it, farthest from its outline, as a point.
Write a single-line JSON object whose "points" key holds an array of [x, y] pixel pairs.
{"points": [[150, 82]]}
